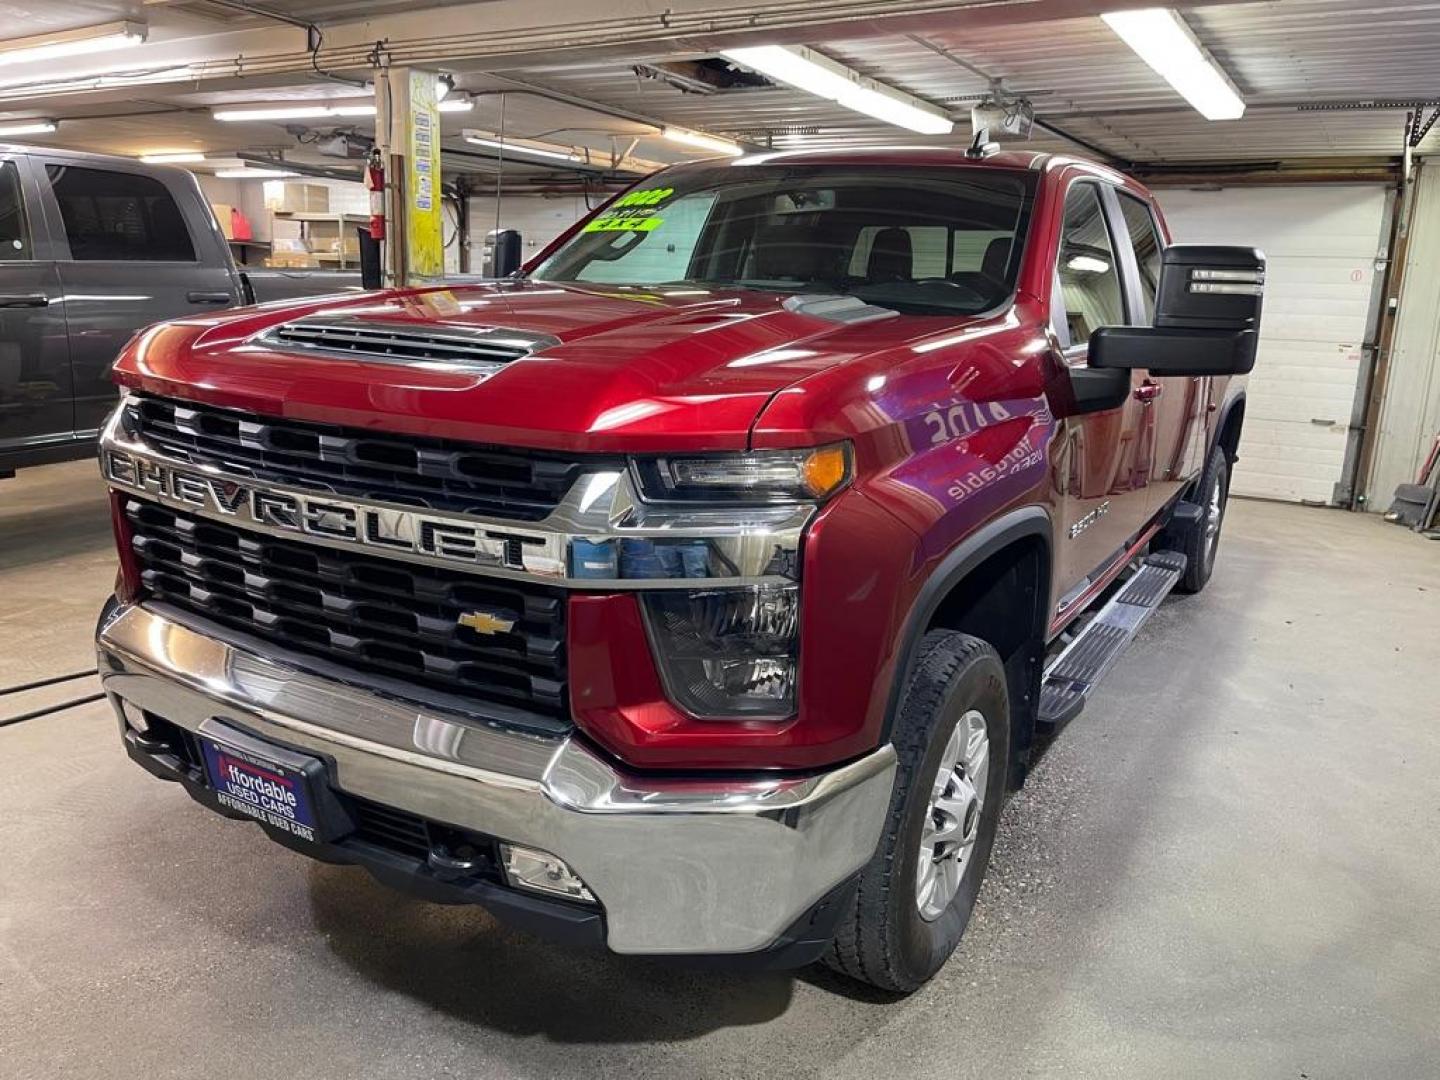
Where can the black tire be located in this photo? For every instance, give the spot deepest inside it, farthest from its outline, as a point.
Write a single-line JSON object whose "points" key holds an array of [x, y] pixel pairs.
{"points": [[883, 940], [1191, 540]]}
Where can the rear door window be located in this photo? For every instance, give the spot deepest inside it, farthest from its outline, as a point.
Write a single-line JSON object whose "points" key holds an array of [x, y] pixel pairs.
{"points": [[1088, 271], [14, 230], [1140, 224], [120, 216]]}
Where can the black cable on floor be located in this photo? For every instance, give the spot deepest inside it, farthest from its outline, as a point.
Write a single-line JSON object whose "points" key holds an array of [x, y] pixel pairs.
{"points": [[51, 681], [37, 713]]}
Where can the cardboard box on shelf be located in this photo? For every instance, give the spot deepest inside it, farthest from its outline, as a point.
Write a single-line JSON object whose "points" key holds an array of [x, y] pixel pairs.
{"points": [[225, 215], [292, 260], [284, 197]]}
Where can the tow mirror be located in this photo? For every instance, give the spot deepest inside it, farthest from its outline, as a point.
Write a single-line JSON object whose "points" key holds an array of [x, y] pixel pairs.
{"points": [[1207, 316]]}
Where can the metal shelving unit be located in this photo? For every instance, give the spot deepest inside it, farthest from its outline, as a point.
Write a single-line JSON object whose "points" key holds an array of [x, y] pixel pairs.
{"points": [[306, 218]]}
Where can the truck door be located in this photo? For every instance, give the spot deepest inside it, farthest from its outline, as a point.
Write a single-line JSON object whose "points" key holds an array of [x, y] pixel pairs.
{"points": [[35, 386], [1175, 406], [134, 246], [1102, 461]]}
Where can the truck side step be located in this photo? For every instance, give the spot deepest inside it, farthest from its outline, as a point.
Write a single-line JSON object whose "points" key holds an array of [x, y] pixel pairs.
{"points": [[1074, 674]]}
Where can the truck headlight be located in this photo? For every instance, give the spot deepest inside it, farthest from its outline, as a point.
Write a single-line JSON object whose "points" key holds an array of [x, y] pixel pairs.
{"points": [[759, 476], [727, 652]]}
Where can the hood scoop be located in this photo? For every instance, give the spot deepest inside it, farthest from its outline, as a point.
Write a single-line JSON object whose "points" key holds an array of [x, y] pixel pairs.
{"points": [[836, 307], [478, 350]]}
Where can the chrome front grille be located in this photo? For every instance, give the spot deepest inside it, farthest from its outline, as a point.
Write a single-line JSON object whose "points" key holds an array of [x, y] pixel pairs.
{"points": [[375, 617], [437, 474], [482, 350]]}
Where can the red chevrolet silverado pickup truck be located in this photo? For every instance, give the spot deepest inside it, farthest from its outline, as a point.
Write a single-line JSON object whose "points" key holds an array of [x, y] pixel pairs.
{"points": [[701, 590]]}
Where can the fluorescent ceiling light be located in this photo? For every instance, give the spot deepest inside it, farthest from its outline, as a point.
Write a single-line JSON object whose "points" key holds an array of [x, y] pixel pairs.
{"points": [[1160, 37], [28, 127], [514, 146], [807, 70], [177, 158], [343, 109], [254, 174], [703, 141], [1087, 264], [273, 112], [87, 39]]}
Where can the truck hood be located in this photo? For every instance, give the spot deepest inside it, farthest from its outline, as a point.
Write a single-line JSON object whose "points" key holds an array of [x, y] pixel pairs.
{"points": [[622, 369]]}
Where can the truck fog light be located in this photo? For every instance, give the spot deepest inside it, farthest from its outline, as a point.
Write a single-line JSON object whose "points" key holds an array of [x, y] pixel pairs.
{"points": [[539, 871], [134, 716], [727, 652]]}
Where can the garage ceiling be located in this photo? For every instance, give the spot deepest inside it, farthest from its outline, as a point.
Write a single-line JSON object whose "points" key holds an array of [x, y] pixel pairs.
{"points": [[1311, 72]]}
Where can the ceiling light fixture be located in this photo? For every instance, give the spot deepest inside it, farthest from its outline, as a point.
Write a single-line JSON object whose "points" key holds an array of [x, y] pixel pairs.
{"points": [[254, 174], [178, 157], [28, 127], [515, 146], [87, 39], [342, 109], [273, 112], [1163, 40], [703, 142], [805, 69]]}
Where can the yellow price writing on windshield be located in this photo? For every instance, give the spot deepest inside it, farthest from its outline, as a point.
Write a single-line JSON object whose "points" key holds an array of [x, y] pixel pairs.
{"points": [[650, 197], [623, 224]]}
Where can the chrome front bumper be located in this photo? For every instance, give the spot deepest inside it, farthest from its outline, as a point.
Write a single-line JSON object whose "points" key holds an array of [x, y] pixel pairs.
{"points": [[690, 866]]}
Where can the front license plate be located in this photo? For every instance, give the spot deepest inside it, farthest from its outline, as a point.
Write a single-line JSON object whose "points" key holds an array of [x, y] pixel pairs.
{"points": [[275, 792]]}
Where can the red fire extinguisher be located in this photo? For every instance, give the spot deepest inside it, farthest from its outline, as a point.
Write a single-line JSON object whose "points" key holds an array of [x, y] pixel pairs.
{"points": [[375, 184]]}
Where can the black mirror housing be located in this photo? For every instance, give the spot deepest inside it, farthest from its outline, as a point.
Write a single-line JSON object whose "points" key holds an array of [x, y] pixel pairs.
{"points": [[1174, 351], [1205, 286], [1207, 316]]}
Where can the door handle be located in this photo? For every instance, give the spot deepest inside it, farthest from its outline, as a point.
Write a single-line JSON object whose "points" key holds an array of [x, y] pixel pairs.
{"points": [[1147, 392], [209, 298], [38, 299]]}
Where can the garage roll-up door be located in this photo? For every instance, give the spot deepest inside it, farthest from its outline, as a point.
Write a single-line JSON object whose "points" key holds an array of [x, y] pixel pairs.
{"points": [[1321, 243], [1410, 415]]}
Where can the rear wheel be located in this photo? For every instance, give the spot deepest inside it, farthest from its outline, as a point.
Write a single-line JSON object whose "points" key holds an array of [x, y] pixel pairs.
{"points": [[952, 739], [1199, 540]]}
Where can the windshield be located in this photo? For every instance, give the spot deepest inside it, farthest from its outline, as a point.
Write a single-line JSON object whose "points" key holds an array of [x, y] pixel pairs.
{"points": [[933, 241]]}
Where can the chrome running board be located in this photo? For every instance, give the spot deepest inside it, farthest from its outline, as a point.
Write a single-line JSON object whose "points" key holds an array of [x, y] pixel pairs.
{"points": [[1073, 675]]}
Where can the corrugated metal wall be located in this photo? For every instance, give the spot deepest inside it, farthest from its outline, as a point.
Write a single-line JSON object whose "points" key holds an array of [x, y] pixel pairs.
{"points": [[1410, 413]]}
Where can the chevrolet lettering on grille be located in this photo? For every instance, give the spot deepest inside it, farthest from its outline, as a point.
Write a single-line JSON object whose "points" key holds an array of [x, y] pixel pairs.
{"points": [[338, 522]]}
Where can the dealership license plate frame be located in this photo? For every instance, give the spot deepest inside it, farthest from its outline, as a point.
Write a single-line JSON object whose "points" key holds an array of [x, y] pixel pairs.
{"points": [[281, 788]]}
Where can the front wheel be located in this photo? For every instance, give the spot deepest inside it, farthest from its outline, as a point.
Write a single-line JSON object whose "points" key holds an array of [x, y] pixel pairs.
{"points": [[952, 741]]}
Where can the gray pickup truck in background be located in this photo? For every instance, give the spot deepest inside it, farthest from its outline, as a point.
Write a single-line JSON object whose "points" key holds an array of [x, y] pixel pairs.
{"points": [[92, 249]]}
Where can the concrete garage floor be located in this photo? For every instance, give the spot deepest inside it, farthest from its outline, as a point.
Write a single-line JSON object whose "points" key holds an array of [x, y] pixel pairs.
{"points": [[1229, 866]]}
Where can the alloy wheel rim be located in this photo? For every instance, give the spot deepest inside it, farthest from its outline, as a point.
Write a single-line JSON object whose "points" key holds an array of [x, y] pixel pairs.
{"points": [[952, 820], [1213, 516]]}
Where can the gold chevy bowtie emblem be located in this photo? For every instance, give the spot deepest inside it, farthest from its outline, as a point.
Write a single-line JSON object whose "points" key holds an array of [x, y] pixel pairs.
{"points": [[486, 622]]}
